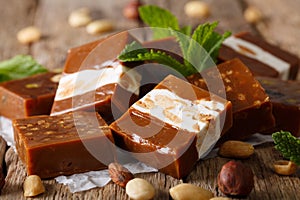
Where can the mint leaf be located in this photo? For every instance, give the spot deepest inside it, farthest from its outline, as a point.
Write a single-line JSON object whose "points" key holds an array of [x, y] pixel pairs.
{"points": [[18, 67], [131, 51], [209, 39], [187, 30], [155, 56], [288, 145], [155, 16]]}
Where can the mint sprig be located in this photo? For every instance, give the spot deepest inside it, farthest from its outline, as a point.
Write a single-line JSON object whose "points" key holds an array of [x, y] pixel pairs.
{"points": [[203, 44], [288, 145]]}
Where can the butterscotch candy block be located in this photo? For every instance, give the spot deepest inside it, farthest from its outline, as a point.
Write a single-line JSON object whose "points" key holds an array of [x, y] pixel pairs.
{"points": [[285, 98], [71, 143], [261, 57], [29, 96], [94, 80], [173, 126], [251, 106]]}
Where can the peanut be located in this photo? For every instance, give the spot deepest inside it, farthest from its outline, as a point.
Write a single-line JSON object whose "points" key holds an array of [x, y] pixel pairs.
{"points": [[197, 9], [189, 191], [252, 15], [285, 167], [33, 186], [80, 17], [236, 149], [139, 189], [99, 26], [29, 35], [220, 198]]}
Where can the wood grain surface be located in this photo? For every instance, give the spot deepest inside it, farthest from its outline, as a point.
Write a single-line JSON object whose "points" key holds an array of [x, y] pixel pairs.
{"points": [[281, 26]]}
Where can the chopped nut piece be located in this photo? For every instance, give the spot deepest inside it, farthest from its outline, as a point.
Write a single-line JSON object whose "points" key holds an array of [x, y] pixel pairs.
{"points": [[33, 186], [285, 167], [119, 174], [32, 85]]}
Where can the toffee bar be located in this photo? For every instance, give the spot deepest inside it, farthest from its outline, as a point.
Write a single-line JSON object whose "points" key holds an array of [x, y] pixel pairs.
{"points": [[93, 77], [63, 145], [262, 58], [251, 106], [173, 126], [285, 98], [29, 96]]}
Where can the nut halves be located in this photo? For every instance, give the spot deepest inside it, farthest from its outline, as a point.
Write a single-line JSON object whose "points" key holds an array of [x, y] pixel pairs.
{"points": [[285, 167]]}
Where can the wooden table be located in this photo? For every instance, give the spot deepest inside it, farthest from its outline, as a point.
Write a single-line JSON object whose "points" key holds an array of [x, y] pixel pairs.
{"points": [[281, 26]]}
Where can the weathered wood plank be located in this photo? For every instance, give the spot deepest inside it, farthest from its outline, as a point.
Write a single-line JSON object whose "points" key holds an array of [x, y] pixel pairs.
{"points": [[228, 13], [52, 18], [281, 22], [14, 15]]}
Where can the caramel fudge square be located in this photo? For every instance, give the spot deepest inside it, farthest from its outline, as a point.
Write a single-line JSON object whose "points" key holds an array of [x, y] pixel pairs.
{"points": [[251, 106], [173, 126], [70, 143], [30, 96]]}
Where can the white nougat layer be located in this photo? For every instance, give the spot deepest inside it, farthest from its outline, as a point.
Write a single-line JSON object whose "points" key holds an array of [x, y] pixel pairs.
{"points": [[193, 116], [84, 81], [261, 55]]}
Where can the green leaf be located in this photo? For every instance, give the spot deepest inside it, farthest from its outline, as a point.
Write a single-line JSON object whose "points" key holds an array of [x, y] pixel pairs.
{"points": [[187, 30], [131, 51], [288, 145], [154, 56], [162, 19], [18, 67], [209, 39]]}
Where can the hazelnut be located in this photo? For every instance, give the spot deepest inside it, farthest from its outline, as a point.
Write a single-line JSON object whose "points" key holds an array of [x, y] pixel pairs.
{"points": [[285, 167], [131, 11], [236, 179], [119, 174]]}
